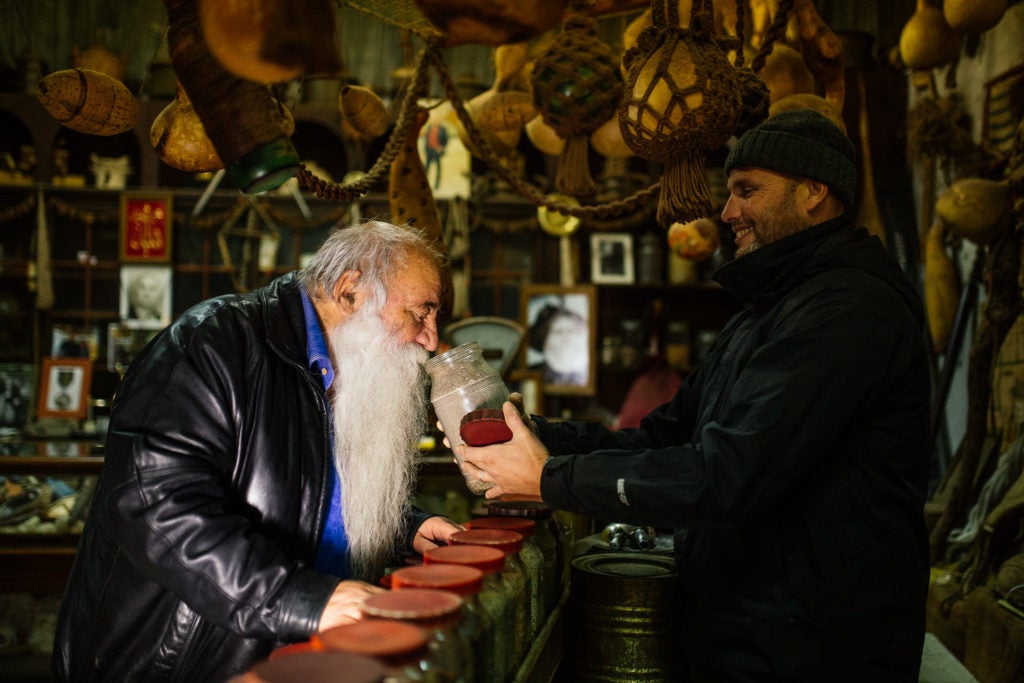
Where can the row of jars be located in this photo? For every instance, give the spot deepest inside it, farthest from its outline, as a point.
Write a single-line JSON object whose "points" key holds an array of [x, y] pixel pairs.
{"points": [[468, 614]]}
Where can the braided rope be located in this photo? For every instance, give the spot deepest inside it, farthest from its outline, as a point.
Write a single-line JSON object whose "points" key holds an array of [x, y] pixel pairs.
{"points": [[773, 33], [339, 192]]}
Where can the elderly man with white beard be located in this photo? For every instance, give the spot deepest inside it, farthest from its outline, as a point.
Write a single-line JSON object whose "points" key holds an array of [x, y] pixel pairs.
{"points": [[258, 468]]}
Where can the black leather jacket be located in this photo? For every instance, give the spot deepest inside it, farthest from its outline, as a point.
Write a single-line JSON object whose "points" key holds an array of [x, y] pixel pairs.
{"points": [[196, 556]]}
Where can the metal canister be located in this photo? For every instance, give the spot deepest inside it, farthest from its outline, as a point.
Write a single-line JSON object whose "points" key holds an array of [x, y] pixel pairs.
{"points": [[622, 619]]}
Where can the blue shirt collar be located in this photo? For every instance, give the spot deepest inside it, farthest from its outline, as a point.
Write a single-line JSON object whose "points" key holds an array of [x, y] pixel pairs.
{"points": [[316, 344]]}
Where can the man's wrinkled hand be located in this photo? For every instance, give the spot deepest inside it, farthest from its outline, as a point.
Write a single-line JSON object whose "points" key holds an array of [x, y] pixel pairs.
{"points": [[346, 603]]}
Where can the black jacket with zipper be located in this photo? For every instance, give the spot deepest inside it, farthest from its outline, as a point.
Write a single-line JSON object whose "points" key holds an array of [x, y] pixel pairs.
{"points": [[793, 465], [196, 557]]}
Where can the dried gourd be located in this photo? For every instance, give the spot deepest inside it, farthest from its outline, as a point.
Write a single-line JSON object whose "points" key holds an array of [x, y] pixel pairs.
{"points": [[976, 209], [941, 287], [576, 87], [805, 100], [271, 41], [682, 101], [544, 137], [409, 196], [364, 111], [491, 22], [179, 139], [500, 112], [973, 16], [88, 101], [927, 41]]}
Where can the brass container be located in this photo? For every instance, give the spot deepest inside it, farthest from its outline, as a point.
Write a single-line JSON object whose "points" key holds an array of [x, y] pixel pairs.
{"points": [[622, 622]]}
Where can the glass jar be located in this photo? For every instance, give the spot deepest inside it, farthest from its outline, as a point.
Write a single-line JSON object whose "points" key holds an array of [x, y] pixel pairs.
{"points": [[533, 564], [398, 646], [513, 575], [494, 599], [547, 537], [316, 666], [474, 624], [447, 657], [464, 385]]}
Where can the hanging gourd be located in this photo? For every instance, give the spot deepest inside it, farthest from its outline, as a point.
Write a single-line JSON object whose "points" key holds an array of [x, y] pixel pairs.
{"points": [[941, 287], [241, 117], [179, 139], [364, 111], [973, 16], [977, 209], [88, 101], [927, 41], [491, 22], [270, 41], [500, 112], [576, 87], [682, 101]]}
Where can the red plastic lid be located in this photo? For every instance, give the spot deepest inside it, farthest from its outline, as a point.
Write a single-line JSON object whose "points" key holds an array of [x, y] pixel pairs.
{"points": [[418, 604], [294, 649], [319, 667], [374, 638], [487, 560], [520, 525], [506, 541], [459, 579], [520, 506]]}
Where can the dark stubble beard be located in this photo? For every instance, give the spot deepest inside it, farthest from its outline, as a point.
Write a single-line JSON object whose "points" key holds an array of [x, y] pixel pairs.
{"points": [[379, 410]]}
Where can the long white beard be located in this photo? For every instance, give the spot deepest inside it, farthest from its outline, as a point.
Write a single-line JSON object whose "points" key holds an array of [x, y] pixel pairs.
{"points": [[379, 409]]}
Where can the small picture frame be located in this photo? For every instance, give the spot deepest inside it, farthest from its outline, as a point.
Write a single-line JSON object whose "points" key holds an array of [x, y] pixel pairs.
{"points": [[64, 388], [124, 343], [146, 227], [70, 342], [17, 391], [530, 385], [561, 324], [145, 296], [611, 258]]}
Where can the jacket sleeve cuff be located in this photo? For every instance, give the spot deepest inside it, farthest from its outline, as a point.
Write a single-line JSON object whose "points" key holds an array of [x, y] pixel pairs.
{"points": [[304, 602]]}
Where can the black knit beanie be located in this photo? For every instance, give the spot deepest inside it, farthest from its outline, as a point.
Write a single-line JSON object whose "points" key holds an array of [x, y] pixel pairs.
{"points": [[802, 143]]}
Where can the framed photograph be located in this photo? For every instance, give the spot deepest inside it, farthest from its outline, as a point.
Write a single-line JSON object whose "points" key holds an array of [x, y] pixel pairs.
{"points": [[530, 384], [561, 324], [146, 296], [64, 388], [146, 227], [124, 344], [69, 342], [611, 258], [17, 388], [446, 160]]}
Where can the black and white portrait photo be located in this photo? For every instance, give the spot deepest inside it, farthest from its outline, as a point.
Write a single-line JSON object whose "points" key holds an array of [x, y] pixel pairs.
{"points": [[560, 337], [145, 295]]}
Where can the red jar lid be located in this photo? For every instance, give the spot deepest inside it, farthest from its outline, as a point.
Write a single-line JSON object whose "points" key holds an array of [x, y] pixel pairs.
{"points": [[533, 507], [374, 638], [520, 525], [506, 541], [459, 579], [294, 649], [487, 560], [412, 603], [319, 667]]}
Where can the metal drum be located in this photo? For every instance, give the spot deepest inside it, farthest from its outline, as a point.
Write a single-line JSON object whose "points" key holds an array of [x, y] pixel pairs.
{"points": [[622, 621]]}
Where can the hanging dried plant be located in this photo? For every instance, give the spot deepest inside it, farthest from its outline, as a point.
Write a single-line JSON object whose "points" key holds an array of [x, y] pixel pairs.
{"points": [[940, 129]]}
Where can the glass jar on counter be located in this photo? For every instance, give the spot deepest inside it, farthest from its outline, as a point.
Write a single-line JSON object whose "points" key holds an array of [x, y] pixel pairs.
{"points": [[447, 656], [398, 646], [547, 537], [474, 623], [512, 574], [494, 599], [467, 394], [532, 559]]}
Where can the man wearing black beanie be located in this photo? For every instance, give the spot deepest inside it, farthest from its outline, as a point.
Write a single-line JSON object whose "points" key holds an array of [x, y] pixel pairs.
{"points": [[793, 463]]}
